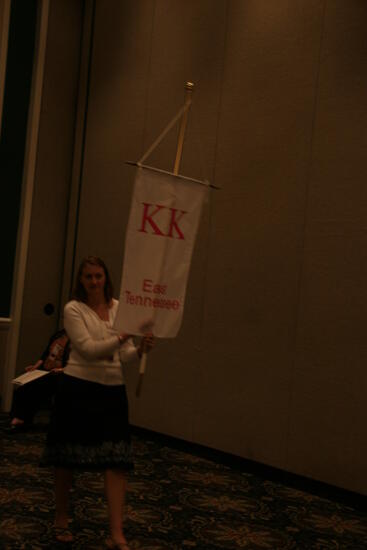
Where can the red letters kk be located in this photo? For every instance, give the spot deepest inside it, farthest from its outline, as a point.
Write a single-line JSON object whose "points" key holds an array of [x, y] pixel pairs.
{"points": [[150, 210]]}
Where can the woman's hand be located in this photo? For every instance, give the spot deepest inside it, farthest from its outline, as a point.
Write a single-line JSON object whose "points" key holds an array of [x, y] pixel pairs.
{"points": [[146, 344], [34, 367], [30, 368], [123, 337]]}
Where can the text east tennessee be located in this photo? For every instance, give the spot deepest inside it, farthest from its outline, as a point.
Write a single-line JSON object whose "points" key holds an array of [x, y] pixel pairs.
{"points": [[158, 301]]}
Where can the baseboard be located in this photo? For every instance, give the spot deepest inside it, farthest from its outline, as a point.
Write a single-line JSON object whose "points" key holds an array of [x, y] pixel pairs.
{"points": [[315, 487]]}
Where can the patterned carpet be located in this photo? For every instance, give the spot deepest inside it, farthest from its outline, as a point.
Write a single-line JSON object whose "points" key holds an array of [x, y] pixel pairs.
{"points": [[176, 501]]}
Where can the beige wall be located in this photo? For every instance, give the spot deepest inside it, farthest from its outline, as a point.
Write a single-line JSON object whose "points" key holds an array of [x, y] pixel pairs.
{"points": [[269, 363], [327, 432]]}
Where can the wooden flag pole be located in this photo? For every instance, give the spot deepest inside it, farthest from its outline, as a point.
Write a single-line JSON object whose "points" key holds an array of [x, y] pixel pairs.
{"points": [[143, 362], [189, 86]]}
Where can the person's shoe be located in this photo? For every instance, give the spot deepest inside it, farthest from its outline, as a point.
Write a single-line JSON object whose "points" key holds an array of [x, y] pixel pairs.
{"points": [[112, 545], [18, 428], [63, 534]]}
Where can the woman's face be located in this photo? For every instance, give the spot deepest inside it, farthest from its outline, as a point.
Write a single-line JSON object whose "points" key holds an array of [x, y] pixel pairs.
{"points": [[93, 279]]}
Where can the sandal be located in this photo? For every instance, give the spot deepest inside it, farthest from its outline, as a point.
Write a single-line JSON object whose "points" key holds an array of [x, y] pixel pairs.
{"points": [[117, 545], [63, 534], [18, 428]]}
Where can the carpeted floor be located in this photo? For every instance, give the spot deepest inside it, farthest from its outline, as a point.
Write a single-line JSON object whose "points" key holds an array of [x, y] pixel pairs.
{"points": [[176, 501]]}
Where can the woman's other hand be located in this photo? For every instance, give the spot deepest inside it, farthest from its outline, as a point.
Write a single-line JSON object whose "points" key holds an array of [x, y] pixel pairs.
{"points": [[123, 337], [146, 344]]}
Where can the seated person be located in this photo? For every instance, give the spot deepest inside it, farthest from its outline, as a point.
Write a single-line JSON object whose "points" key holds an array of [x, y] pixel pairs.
{"points": [[28, 399]]}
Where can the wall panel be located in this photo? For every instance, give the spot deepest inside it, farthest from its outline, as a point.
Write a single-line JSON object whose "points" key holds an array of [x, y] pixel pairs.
{"points": [[328, 411], [264, 141]]}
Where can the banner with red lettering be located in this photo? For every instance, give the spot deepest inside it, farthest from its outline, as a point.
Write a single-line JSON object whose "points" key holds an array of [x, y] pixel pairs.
{"points": [[164, 217]]}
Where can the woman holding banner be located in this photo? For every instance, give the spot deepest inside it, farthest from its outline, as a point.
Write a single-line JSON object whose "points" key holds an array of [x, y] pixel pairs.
{"points": [[89, 427]]}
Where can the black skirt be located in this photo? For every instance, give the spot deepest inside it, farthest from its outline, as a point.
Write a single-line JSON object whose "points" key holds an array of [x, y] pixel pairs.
{"points": [[89, 427]]}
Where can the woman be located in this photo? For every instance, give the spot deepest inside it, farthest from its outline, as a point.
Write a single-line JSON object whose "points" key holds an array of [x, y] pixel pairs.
{"points": [[89, 426], [29, 398]]}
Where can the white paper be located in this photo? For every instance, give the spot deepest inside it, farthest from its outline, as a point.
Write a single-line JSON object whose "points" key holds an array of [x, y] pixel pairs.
{"points": [[29, 377]]}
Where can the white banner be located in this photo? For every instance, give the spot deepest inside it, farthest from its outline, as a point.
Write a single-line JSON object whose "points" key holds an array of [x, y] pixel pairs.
{"points": [[164, 217]]}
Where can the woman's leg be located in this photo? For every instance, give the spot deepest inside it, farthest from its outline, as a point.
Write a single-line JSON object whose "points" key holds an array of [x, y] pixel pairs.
{"points": [[63, 482], [19, 412], [115, 487]]}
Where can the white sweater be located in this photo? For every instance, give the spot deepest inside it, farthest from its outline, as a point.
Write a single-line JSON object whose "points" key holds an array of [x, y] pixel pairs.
{"points": [[95, 351]]}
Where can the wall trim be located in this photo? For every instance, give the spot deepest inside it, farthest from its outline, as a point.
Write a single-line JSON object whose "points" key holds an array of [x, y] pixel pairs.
{"points": [[270, 473]]}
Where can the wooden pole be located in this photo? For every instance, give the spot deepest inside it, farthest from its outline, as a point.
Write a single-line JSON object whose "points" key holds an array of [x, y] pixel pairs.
{"points": [[143, 362], [189, 86]]}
